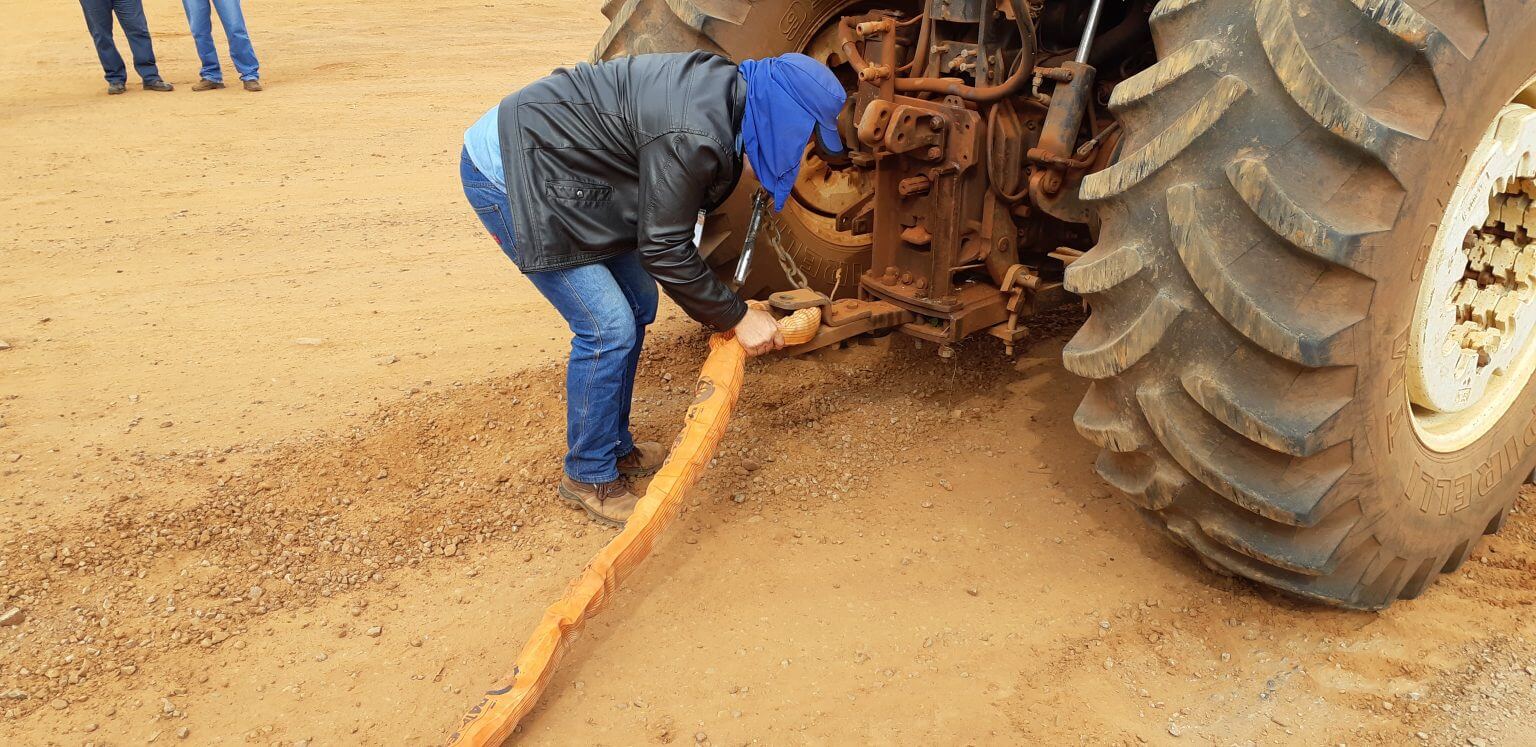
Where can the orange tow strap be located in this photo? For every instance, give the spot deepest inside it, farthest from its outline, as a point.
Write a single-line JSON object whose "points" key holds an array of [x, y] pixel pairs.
{"points": [[492, 720]]}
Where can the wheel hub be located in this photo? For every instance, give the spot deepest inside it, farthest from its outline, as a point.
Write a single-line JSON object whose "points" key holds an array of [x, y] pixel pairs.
{"points": [[1473, 347]]}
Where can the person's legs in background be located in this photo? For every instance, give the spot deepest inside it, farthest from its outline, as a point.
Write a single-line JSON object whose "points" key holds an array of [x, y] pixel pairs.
{"points": [[240, 51], [98, 20], [130, 15], [200, 21]]}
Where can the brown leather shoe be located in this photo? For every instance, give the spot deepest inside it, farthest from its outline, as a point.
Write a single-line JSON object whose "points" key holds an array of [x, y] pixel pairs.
{"points": [[252, 85], [610, 503], [644, 460], [204, 84]]}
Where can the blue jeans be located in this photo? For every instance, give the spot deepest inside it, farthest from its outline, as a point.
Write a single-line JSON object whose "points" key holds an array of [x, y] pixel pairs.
{"points": [[607, 305], [130, 15], [200, 18]]}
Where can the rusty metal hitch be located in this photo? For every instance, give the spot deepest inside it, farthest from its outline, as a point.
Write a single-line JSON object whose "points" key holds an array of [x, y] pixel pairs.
{"points": [[840, 320]]}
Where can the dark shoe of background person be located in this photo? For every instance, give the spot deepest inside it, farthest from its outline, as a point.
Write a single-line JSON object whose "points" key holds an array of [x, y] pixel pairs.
{"points": [[609, 503], [643, 461], [253, 85], [158, 85], [203, 84], [114, 89]]}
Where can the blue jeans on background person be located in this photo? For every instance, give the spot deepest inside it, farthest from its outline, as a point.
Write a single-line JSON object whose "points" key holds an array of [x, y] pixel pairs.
{"points": [[607, 306], [200, 18], [130, 15]]}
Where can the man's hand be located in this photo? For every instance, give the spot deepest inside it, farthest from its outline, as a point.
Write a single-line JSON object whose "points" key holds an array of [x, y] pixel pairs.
{"points": [[758, 333]]}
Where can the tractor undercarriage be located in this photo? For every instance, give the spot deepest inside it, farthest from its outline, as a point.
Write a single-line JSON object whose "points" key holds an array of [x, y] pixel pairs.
{"points": [[968, 135]]}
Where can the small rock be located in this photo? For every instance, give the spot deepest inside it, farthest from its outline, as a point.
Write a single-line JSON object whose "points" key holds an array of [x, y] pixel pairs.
{"points": [[973, 591], [255, 593], [12, 616], [320, 656], [415, 643], [375, 631], [183, 732], [59, 704], [701, 737], [1476, 742], [91, 727], [388, 360], [166, 423], [4, 345], [750, 465], [1173, 730], [308, 341], [1109, 663]]}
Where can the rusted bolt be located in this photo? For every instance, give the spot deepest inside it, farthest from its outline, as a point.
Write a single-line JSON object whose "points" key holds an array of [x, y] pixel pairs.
{"points": [[906, 278], [1050, 181], [922, 283], [870, 28], [914, 185], [936, 122], [935, 153], [875, 73]]}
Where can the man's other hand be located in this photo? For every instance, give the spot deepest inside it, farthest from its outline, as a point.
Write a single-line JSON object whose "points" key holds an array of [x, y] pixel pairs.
{"points": [[758, 333]]}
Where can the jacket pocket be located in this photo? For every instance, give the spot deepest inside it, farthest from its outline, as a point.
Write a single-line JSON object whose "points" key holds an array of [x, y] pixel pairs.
{"points": [[578, 192]]}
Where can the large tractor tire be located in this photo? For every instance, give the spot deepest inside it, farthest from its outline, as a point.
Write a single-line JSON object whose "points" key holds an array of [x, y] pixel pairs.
{"points": [[823, 257], [1311, 360]]}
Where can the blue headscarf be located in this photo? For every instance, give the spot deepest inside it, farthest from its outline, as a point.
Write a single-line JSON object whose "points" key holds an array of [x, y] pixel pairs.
{"points": [[788, 97]]}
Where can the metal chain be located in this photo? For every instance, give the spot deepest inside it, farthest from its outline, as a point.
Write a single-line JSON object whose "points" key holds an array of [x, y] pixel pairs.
{"points": [[786, 262]]}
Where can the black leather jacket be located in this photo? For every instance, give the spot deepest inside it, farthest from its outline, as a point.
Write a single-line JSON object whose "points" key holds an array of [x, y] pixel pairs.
{"points": [[621, 156]]}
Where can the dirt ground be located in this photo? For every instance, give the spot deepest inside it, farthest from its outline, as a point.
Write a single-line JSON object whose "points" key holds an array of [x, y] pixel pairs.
{"points": [[278, 429]]}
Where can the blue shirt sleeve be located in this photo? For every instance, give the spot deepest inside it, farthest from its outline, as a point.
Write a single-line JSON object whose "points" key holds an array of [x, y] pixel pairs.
{"points": [[483, 143]]}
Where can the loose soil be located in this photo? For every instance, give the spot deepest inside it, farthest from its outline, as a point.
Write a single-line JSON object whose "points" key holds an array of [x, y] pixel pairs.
{"points": [[279, 429]]}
